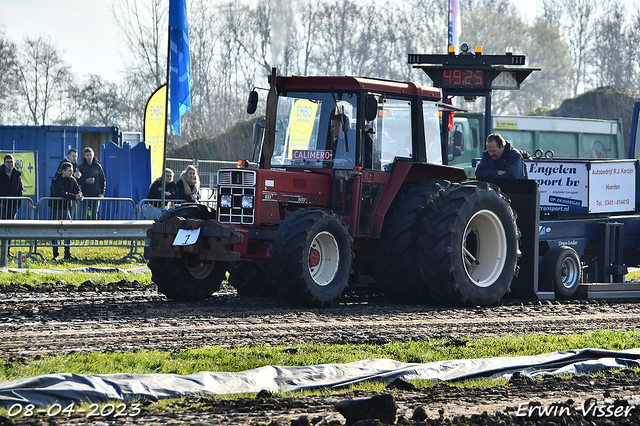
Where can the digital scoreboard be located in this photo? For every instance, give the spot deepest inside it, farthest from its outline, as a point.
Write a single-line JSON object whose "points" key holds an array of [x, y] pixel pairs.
{"points": [[473, 73]]}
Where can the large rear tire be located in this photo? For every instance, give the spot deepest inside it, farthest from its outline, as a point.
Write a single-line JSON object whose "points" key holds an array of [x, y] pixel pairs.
{"points": [[187, 278], [396, 268], [311, 257], [250, 279], [562, 271], [469, 244]]}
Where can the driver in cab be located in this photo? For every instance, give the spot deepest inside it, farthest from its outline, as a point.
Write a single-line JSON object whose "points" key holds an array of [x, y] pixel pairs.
{"points": [[341, 147]]}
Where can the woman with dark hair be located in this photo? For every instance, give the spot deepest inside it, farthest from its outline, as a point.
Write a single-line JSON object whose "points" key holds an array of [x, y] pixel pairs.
{"points": [[153, 209]]}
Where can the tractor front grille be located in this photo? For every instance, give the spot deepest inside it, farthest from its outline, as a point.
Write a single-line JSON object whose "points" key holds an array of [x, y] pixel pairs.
{"points": [[237, 184], [237, 177]]}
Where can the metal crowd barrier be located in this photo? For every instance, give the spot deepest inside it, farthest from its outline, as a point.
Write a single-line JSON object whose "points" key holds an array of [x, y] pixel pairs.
{"points": [[23, 207], [91, 208], [149, 208], [37, 230], [106, 213]]}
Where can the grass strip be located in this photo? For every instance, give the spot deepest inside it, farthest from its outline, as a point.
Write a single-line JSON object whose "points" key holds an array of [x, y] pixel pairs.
{"points": [[218, 359], [102, 257]]}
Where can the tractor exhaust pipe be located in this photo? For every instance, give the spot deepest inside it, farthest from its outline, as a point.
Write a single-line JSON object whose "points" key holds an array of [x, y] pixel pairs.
{"points": [[270, 122]]}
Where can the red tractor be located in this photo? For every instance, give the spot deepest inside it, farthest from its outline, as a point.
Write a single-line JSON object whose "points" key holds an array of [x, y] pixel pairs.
{"points": [[350, 183]]}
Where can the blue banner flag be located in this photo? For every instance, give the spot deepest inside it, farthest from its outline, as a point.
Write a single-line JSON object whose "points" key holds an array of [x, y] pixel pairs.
{"points": [[180, 62]]}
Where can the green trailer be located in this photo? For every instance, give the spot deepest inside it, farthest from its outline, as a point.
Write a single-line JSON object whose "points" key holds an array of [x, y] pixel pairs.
{"points": [[546, 136]]}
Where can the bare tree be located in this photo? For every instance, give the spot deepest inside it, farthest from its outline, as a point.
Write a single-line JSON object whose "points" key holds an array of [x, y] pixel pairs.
{"points": [[8, 65], [145, 32], [547, 88], [100, 101], [42, 78], [633, 51], [612, 66], [310, 21], [339, 26], [578, 28]]}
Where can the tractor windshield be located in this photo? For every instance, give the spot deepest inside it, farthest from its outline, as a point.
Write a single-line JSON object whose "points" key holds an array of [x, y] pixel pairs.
{"points": [[314, 130]]}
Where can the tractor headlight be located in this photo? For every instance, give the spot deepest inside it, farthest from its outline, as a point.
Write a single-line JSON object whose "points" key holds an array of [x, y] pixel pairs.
{"points": [[247, 201], [225, 200]]}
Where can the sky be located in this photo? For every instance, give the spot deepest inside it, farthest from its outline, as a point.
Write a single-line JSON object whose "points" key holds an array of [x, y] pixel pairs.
{"points": [[85, 32]]}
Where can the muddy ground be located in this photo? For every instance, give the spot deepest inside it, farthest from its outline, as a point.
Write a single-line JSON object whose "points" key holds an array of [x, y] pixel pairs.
{"points": [[123, 316]]}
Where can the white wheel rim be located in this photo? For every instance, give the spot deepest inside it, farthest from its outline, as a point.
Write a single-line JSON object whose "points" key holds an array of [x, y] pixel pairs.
{"points": [[569, 272], [324, 258], [198, 269], [484, 248]]}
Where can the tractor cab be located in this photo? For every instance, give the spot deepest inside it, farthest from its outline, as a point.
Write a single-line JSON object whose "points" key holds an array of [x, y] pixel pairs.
{"points": [[343, 123]]}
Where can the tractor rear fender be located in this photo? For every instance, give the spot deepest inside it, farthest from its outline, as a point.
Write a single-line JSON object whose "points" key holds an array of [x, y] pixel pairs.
{"points": [[410, 172]]}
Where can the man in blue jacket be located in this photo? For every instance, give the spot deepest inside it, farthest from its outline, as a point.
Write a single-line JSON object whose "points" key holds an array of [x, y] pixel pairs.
{"points": [[500, 161]]}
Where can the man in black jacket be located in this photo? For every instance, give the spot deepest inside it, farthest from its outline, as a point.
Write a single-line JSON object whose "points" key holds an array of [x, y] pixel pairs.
{"points": [[65, 186], [500, 161], [92, 183], [10, 186], [72, 157]]}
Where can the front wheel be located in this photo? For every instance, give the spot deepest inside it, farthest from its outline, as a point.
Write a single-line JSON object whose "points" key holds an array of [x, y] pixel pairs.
{"points": [[311, 257], [188, 278], [561, 269]]}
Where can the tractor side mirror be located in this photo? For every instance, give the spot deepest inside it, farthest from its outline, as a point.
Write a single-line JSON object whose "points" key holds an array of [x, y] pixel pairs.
{"points": [[457, 138], [252, 105], [370, 108]]}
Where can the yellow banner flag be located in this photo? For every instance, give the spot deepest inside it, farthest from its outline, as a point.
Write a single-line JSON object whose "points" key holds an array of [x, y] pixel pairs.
{"points": [[155, 118], [26, 164]]}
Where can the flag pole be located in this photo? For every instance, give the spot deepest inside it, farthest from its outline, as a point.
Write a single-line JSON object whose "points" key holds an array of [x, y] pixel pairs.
{"points": [[167, 121], [448, 26]]}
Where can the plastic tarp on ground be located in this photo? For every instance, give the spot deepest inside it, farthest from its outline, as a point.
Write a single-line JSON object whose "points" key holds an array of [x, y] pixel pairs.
{"points": [[67, 388]]}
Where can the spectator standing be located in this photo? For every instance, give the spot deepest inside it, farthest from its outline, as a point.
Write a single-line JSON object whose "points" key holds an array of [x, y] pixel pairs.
{"points": [[72, 157], [92, 183], [188, 185], [65, 186], [153, 209], [10, 186]]}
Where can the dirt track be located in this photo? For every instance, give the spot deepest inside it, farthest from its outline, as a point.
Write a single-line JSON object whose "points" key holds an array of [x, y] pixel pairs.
{"points": [[127, 316]]}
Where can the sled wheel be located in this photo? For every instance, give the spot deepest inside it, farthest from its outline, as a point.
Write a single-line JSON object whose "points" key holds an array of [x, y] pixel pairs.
{"points": [[561, 269]]}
